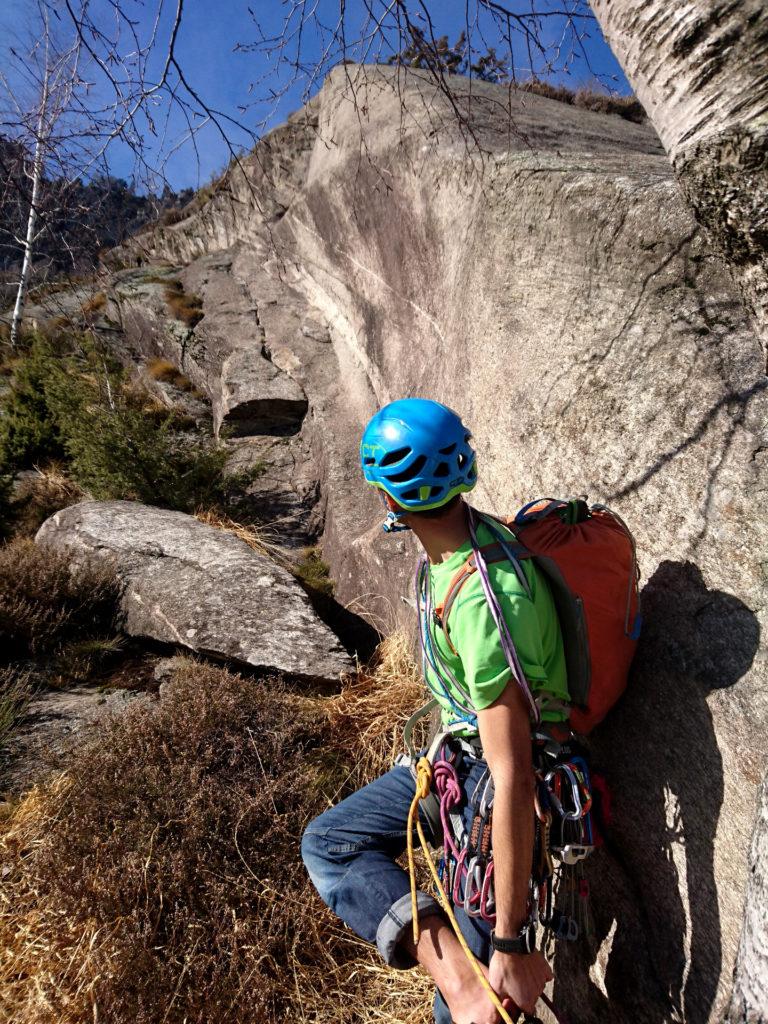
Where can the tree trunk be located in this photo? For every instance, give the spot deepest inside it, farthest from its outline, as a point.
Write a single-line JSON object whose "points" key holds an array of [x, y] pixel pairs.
{"points": [[749, 1003], [29, 241], [700, 69]]}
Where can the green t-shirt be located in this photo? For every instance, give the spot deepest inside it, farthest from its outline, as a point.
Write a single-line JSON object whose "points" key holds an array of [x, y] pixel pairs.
{"points": [[481, 666]]}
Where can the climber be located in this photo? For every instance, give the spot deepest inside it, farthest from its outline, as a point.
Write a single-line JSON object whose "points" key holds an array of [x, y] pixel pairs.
{"points": [[418, 453]]}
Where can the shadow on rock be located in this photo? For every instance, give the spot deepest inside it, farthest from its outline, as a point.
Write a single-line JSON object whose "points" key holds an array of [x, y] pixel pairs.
{"points": [[655, 953], [358, 636]]}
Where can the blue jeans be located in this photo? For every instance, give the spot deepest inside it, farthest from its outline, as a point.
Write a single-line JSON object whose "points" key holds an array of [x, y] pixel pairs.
{"points": [[350, 851]]}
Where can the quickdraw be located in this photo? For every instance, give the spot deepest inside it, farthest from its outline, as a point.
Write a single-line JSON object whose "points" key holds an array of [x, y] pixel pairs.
{"points": [[564, 834]]}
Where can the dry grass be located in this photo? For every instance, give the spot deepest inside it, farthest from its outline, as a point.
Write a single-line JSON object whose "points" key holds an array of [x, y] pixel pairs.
{"points": [[45, 608], [185, 307], [163, 370], [41, 494], [628, 107], [159, 879], [371, 710], [94, 304], [52, 327], [258, 538], [15, 692]]}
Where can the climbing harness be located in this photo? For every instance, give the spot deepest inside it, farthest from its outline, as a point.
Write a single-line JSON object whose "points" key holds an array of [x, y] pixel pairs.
{"points": [[465, 874], [563, 829]]}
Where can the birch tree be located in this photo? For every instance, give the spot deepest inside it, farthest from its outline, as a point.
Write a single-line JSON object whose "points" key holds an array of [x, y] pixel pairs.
{"points": [[700, 69], [91, 79], [54, 76]]}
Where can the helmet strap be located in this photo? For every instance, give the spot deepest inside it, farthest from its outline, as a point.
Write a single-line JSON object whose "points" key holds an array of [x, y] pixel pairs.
{"points": [[392, 523]]}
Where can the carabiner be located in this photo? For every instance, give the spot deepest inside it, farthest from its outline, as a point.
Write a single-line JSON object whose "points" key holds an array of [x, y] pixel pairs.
{"points": [[461, 871], [487, 899], [473, 887]]}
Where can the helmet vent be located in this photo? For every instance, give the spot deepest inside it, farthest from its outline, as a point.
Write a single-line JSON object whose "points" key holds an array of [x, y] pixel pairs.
{"points": [[410, 473], [447, 451], [396, 456], [462, 460], [443, 469], [369, 460]]}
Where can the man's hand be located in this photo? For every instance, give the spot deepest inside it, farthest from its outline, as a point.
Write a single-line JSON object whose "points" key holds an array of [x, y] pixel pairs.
{"points": [[520, 977]]}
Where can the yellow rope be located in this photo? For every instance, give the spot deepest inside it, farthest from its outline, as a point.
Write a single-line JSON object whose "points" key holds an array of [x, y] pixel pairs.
{"points": [[423, 785]]}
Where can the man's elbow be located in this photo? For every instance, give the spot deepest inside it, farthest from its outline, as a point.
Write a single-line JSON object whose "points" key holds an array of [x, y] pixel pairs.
{"points": [[513, 773]]}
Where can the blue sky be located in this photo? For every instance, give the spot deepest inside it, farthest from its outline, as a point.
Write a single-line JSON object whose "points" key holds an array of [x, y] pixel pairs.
{"points": [[229, 79]]}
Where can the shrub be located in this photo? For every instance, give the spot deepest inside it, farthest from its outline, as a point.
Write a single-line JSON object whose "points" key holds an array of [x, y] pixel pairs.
{"points": [[119, 449], [38, 496], [628, 107], [185, 307], [314, 572], [160, 880], [164, 370], [76, 404], [170, 858], [46, 609], [172, 216], [6, 508], [28, 429]]}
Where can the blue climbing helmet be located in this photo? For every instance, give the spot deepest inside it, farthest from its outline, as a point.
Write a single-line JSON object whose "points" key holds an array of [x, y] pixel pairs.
{"points": [[418, 451]]}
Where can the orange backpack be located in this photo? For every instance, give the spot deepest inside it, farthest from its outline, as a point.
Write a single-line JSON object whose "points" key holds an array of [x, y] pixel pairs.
{"points": [[588, 555]]}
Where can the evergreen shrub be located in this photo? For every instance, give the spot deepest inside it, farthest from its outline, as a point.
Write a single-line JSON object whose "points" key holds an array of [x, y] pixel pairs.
{"points": [[28, 430], [72, 401]]}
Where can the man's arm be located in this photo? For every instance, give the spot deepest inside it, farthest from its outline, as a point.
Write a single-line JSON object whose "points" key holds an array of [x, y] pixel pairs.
{"points": [[505, 733]]}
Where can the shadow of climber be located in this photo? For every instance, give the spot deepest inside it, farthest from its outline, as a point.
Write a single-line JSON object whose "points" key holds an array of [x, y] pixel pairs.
{"points": [[655, 955]]}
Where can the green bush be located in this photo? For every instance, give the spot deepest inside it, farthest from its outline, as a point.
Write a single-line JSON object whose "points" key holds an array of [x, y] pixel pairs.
{"points": [[28, 428], [78, 405], [314, 573], [120, 449]]}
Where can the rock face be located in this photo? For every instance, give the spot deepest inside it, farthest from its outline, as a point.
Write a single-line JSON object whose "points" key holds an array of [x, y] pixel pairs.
{"points": [[201, 588], [750, 987], [53, 719], [539, 271]]}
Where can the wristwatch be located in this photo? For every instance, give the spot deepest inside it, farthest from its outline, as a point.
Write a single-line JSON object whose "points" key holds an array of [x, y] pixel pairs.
{"points": [[524, 941]]}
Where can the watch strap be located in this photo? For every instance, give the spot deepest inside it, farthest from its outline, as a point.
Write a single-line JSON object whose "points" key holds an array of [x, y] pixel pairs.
{"points": [[523, 942]]}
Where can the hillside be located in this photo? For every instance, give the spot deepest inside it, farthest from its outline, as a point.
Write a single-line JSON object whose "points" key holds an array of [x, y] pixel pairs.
{"points": [[80, 217]]}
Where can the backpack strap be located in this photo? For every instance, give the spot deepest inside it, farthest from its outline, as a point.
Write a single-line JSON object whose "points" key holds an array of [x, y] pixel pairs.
{"points": [[498, 552]]}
